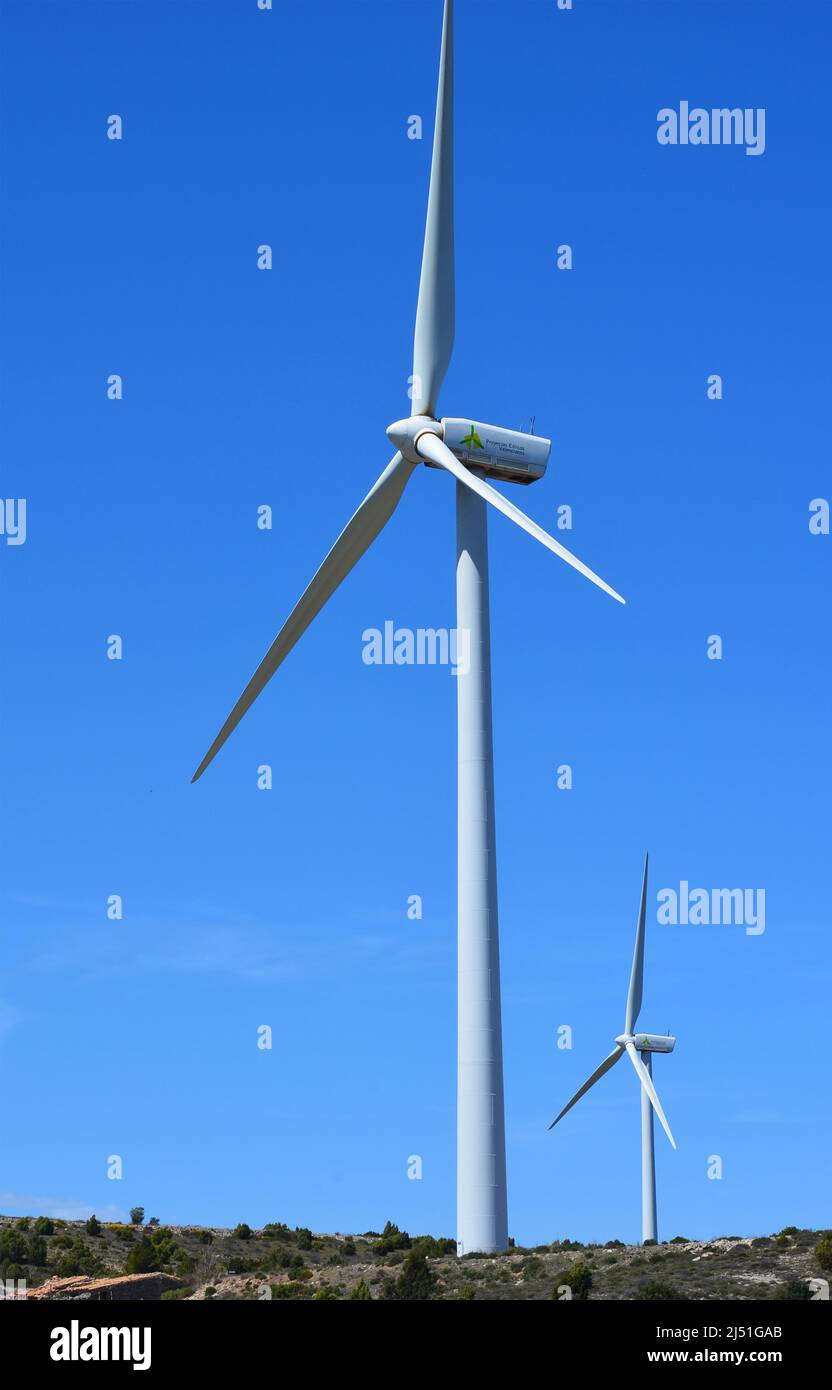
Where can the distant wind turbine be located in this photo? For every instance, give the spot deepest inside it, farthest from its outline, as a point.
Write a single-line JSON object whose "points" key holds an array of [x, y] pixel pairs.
{"points": [[470, 451], [635, 1044]]}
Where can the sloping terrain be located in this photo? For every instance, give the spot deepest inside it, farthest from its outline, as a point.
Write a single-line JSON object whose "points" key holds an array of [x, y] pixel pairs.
{"points": [[278, 1263]]}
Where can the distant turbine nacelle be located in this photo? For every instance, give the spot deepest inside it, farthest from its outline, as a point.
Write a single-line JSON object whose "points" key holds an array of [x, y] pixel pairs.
{"points": [[506, 455], [650, 1042]]}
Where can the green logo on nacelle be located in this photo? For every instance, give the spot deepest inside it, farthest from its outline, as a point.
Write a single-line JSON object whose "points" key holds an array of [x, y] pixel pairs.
{"points": [[473, 439]]}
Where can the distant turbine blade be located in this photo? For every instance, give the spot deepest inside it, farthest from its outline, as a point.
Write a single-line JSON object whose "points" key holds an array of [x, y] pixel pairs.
{"points": [[596, 1076], [435, 312], [647, 1082], [359, 533], [637, 972], [435, 449]]}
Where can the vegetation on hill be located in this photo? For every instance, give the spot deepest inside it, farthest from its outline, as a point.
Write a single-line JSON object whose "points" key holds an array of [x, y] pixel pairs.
{"points": [[279, 1263]]}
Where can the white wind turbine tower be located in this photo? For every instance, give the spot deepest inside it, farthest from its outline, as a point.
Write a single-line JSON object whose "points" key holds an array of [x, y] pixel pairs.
{"points": [[469, 451], [634, 1044]]}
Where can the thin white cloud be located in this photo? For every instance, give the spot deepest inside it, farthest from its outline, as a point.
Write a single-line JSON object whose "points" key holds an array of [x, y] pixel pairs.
{"points": [[29, 1204]]}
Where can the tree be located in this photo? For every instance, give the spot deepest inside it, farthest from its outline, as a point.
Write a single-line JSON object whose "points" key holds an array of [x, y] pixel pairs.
{"points": [[361, 1290], [137, 1215], [417, 1281], [578, 1278], [143, 1258], [13, 1247], [37, 1250], [92, 1225], [391, 1239], [243, 1231], [44, 1227]]}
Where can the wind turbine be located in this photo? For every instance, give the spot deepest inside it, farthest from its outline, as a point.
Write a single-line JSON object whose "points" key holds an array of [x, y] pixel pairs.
{"points": [[634, 1044], [470, 451]]}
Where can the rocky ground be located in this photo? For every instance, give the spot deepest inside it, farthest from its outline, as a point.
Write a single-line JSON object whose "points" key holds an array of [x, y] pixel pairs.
{"points": [[78, 1260]]}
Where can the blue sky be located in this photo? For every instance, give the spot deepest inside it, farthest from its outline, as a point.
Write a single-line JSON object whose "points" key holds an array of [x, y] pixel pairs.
{"points": [[288, 907]]}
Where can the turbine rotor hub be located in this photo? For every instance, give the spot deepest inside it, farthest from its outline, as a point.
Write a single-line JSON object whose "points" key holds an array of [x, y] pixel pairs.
{"points": [[405, 434]]}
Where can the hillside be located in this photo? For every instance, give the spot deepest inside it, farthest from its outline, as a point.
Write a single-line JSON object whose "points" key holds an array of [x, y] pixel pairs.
{"points": [[280, 1263]]}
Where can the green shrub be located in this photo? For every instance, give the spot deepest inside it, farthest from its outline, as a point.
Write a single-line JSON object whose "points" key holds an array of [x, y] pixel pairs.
{"points": [[578, 1278], [44, 1226], [23, 1223], [361, 1291], [793, 1291], [619, 1244], [823, 1250], [303, 1238], [243, 1231], [348, 1247], [657, 1292], [325, 1291], [77, 1259], [679, 1240], [532, 1268], [171, 1294], [467, 1293], [137, 1215], [790, 1231], [92, 1225], [431, 1248]]}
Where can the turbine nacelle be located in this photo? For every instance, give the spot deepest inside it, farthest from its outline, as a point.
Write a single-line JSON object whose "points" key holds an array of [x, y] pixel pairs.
{"points": [[647, 1042], [507, 455]]}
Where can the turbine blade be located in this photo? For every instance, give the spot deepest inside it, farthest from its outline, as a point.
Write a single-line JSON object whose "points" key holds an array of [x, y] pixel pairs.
{"points": [[637, 973], [358, 534], [433, 448], [647, 1082], [435, 311], [596, 1076]]}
